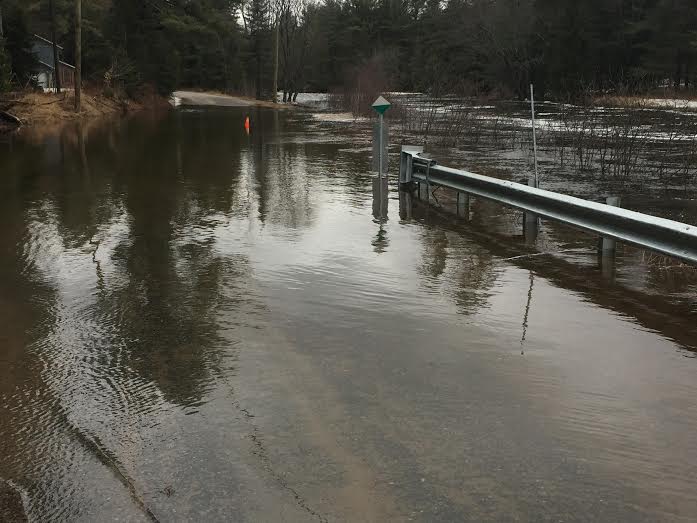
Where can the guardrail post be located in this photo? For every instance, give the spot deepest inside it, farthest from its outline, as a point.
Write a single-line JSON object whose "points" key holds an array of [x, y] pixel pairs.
{"points": [[609, 245], [405, 205], [428, 182], [531, 227], [607, 267], [404, 174], [423, 190], [530, 220], [463, 205]]}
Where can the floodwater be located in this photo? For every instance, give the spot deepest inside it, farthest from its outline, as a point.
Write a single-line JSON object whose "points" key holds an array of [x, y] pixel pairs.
{"points": [[198, 324]]}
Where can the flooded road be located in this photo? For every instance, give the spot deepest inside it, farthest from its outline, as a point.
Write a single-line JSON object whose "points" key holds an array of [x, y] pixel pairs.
{"points": [[202, 324]]}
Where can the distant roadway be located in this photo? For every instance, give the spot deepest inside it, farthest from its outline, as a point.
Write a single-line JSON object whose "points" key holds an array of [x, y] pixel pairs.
{"points": [[196, 98]]}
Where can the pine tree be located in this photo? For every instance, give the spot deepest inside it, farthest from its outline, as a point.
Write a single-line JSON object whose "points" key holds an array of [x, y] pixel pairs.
{"points": [[5, 68], [259, 25], [18, 43]]}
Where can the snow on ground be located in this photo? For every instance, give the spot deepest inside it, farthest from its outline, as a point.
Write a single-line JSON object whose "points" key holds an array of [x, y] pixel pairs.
{"points": [[338, 117], [546, 122], [54, 90], [642, 132], [671, 103], [314, 99], [305, 98]]}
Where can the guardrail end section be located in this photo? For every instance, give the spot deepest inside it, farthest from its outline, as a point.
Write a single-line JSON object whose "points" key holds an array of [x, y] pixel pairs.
{"points": [[405, 162]]}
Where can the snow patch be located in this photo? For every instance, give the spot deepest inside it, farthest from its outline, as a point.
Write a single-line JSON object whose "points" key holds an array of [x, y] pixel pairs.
{"points": [[53, 90], [311, 98], [317, 99], [403, 93], [671, 103], [338, 117]]}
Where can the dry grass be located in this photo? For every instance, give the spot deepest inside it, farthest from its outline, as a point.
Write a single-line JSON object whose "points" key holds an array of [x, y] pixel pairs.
{"points": [[51, 109], [680, 101], [39, 108]]}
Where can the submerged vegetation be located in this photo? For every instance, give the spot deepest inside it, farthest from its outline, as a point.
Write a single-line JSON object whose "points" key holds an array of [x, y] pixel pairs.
{"points": [[616, 145]]}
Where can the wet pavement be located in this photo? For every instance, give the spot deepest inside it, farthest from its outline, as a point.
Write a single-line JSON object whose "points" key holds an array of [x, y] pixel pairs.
{"points": [[194, 98], [203, 324]]}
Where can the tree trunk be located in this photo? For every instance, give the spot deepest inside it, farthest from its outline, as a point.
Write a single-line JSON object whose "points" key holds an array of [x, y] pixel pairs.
{"points": [[257, 49], [56, 59], [274, 95], [78, 55]]}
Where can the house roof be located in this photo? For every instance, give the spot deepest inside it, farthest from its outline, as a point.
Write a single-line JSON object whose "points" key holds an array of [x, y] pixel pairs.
{"points": [[47, 41]]}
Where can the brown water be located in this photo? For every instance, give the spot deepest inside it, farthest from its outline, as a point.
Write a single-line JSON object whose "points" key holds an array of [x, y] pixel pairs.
{"points": [[203, 325]]}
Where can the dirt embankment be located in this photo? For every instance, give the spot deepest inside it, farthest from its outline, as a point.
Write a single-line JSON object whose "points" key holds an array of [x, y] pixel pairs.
{"points": [[50, 109]]}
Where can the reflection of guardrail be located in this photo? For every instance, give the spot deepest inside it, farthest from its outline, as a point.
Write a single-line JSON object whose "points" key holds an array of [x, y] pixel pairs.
{"points": [[657, 234]]}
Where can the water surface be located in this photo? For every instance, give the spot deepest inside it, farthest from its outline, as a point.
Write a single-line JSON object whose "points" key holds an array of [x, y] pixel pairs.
{"points": [[203, 324]]}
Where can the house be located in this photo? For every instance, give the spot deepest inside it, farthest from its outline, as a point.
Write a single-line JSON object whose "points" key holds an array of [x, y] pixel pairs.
{"points": [[45, 74]]}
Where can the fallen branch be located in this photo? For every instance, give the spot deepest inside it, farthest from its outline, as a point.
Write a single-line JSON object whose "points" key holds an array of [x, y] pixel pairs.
{"points": [[4, 115]]}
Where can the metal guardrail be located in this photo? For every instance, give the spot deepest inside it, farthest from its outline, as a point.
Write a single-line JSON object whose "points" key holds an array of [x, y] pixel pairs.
{"points": [[658, 234]]}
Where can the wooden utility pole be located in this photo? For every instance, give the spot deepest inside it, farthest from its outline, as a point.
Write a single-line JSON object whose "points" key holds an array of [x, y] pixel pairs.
{"points": [[56, 59], [78, 54]]}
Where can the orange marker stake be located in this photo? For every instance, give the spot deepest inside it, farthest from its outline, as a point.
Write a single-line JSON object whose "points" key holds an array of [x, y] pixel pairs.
{"points": [[246, 124]]}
